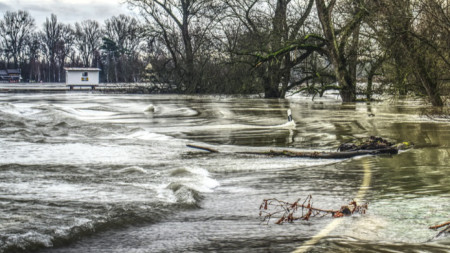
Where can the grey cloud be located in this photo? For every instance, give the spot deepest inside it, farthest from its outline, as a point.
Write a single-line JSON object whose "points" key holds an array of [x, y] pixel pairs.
{"points": [[4, 7], [70, 12], [35, 8]]}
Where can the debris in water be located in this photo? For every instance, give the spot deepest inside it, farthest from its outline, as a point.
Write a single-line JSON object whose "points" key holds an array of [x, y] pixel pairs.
{"points": [[372, 146], [372, 143], [290, 212], [446, 229]]}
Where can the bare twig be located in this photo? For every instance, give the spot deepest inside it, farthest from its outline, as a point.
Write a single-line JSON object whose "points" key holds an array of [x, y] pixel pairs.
{"points": [[440, 225]]}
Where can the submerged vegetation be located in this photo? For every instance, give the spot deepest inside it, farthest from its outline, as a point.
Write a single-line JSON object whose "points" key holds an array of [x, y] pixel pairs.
{"points": [[241, 47]]}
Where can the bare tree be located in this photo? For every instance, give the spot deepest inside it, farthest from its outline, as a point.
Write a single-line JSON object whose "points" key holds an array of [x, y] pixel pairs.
{"points": [[182, 26], [64, 47], [33, 51], [51, 36], [123, 35], [15, 31], [88, 41]]}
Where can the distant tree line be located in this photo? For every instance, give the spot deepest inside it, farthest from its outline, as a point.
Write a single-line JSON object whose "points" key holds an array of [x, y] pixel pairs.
{"points": [[117, 47], [249, 46]]}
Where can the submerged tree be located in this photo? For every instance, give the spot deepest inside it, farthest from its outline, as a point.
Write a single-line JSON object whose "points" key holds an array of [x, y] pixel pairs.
{"points": [[273, 35], [342, 43], [182, 27], [417, 38]]}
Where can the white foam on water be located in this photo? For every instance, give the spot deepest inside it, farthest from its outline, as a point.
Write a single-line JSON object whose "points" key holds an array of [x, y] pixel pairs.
{"points": [[150, 108], [287, 125], [30, 238], [172, 111], [21, 110], [132, 169], [165, 194], [147, 135], [193, 178], [202, 181]]}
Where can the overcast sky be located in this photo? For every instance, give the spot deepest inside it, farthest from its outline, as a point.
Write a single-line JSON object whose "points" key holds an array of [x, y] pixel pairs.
{"points": [[68, 11]]}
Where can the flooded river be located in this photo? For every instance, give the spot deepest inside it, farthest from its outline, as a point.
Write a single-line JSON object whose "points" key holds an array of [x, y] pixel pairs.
{"points": [[87, 172]]}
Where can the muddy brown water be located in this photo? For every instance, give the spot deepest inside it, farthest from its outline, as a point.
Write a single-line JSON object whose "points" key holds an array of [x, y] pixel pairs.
{"points": [[90, 172]]}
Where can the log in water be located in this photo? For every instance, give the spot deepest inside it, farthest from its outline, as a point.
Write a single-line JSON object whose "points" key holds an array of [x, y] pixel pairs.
{"points": [[313, 154]]}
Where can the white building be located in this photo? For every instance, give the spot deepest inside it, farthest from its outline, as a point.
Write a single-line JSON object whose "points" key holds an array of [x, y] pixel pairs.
{"points": [[82, 77]]}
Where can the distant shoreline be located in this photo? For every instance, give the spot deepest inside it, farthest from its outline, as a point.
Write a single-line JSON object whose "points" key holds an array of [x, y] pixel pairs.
{"points": [[138, 88]]}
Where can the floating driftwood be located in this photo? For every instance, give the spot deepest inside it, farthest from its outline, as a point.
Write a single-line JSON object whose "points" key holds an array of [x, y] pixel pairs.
{"points": [[372, 146], [202, 148], [325, 155]]}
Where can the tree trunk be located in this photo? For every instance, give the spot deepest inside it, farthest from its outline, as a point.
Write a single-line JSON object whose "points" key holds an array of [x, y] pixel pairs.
{"points": [[115, 69], [191, 85], [279, 35], [345, 81], [313, 154], [271, 83], [430, 85], [344, 65], [369, 89], [353, 56]]}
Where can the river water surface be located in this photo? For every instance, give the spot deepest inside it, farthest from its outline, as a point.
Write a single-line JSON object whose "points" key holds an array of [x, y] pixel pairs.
{"points": [[87, 172]]}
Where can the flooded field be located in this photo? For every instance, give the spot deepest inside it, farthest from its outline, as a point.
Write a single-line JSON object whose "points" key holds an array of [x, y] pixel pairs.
{"points": [[89, 172]]}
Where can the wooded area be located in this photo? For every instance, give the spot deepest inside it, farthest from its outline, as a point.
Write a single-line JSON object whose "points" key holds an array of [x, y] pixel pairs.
{"points": [[248, 46]]}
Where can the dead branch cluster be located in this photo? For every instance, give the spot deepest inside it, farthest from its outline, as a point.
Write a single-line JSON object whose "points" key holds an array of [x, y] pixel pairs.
{"points": [[445, 230], [372, 143], [290, 212]]}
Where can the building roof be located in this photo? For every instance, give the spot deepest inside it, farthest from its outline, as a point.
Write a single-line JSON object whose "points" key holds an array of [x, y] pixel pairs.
{"points": [[13, 71], [82, 69], [9, 71]]}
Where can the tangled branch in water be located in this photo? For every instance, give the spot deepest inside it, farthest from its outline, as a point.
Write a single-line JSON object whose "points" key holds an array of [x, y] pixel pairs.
{"points": [[290, 212], [445, 230]]}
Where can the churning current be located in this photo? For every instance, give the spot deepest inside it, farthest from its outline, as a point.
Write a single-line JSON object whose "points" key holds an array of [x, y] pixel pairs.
{"points": [[87, 172]]}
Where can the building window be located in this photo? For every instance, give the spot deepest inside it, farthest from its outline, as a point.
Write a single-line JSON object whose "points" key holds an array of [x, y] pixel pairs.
{"points": [[84, 76]]}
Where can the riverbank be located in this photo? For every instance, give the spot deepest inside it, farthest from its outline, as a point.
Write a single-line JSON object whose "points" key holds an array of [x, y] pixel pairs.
{"points": [[140, 88]]}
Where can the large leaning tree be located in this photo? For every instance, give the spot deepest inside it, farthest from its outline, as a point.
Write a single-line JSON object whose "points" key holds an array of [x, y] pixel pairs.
{"points": [[273, 37]]}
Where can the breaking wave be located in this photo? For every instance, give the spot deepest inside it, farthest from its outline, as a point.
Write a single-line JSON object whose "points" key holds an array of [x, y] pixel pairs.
{"points": [[187, 184], [116, 217]]}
